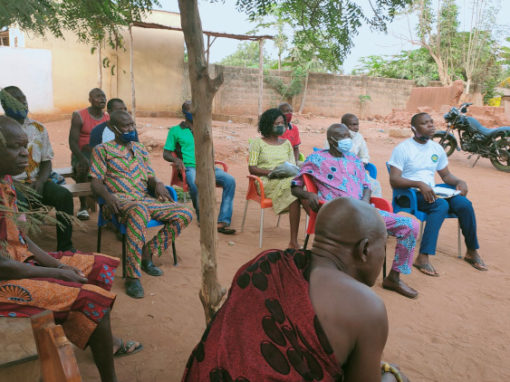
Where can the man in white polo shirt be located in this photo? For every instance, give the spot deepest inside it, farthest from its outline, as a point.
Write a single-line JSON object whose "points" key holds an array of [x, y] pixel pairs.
{"points": [[413, 164]]}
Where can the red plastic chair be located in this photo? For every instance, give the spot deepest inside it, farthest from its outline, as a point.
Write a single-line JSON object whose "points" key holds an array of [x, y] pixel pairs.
{"points": [[378, 203], [260, 198], [179, 178]]}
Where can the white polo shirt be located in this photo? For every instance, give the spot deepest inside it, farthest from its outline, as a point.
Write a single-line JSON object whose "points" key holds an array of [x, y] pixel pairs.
{"points": [[419, 162]]}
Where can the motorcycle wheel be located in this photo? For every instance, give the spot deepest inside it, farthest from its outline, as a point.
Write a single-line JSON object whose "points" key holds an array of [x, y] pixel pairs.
{"points": [[501, 159], [448, 142]]}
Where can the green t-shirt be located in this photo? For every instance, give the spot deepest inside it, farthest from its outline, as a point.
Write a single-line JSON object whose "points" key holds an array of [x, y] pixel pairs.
{"points": [[184, 138]]}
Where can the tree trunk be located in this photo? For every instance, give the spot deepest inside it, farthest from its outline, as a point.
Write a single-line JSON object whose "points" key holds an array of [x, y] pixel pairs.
{"points": [[132, 73], [99, 67], [203, 89], [301, 107]]}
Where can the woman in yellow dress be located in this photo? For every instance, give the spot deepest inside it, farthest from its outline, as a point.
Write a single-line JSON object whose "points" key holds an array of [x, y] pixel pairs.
{"points": [[267, 153]]}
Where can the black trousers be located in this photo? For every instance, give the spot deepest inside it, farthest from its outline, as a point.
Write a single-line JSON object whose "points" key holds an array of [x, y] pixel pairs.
{"points": [[62, 200]]}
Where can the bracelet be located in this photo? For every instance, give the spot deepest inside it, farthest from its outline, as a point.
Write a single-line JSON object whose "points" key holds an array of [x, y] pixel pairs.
{"points": [[387, 368]]}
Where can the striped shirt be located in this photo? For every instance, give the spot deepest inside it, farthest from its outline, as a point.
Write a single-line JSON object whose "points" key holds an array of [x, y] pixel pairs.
{"points": [[124, 171]]}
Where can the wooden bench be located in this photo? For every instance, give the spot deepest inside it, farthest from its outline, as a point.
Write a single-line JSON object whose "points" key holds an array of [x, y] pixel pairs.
{"points": [[58, 363], [66, 172], [18, 354], [83, 189], [77, 189]]}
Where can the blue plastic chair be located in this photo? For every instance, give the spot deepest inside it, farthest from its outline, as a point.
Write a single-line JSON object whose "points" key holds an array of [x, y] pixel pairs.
{"points": [[371, 169], [101, 221], [410, 205]]}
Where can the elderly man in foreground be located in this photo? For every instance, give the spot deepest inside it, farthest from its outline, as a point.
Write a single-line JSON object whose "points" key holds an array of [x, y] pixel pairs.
{"points": [[305, 315], [74, 286], [122, 175]]}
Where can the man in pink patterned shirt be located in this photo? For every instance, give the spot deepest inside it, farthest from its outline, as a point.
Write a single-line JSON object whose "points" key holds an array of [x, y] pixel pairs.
{"points": [[338, 173]]}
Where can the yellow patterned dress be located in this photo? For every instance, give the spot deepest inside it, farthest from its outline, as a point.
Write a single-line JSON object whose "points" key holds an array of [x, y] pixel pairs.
{"points": [[267, 157]]}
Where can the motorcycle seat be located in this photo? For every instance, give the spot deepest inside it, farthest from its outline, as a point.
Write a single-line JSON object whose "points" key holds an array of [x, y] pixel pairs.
{"points": [[477, 126]]}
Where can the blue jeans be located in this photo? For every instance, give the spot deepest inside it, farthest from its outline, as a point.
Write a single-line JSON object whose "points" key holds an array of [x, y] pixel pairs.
{"points": [[436, 213], [224, 180]]}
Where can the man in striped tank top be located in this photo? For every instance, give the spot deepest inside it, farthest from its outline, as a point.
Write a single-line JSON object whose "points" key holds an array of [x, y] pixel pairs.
{"points": [[82, 123]]}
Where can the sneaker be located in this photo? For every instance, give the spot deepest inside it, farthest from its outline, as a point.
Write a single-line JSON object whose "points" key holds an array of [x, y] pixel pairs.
{"points": [[83, 215]]}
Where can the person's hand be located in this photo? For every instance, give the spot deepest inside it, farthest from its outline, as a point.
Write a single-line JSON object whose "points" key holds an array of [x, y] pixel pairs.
{"points": [[83, 165], [161, 193], [313, 200], [74, 269], [462, 187], [70, 275], [428, 193], [38, 186], [112, 204], [179, 164]]}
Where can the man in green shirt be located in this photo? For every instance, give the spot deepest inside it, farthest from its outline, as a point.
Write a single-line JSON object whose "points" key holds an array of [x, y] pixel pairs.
{"points": [[180, 150]]}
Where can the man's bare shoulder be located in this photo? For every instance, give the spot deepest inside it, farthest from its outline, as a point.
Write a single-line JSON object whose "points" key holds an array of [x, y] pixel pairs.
{"points": [[343, 298]]}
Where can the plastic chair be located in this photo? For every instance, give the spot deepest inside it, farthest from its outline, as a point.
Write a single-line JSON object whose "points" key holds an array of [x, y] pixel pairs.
{"points": [[405, 200], [101, 221], [371, 169], [310, 185], [260, 198], [179, 178]]}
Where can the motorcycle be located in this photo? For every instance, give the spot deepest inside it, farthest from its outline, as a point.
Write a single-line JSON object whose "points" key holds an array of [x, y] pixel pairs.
{"points": [[475, 138]]}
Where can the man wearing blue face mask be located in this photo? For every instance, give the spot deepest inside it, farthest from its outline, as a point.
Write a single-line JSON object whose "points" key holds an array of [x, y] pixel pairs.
{"points": [[180, 149], [339, 173], [122, 175], [37, 174]]}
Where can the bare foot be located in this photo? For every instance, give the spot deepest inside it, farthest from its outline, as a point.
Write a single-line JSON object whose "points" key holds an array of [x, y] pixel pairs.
{"points": [[294, 245]]}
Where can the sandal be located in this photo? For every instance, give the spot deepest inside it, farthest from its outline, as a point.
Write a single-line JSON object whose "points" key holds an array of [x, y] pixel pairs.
{"points": [[127, 348], [226, 231], [83, 215], [476, 263], [427, 269]]}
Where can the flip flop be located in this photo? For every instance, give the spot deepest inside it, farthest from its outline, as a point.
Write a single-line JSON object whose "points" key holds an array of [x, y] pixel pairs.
{"points": [[427, 269], [476, 263], [124, 348], [226, 231]]}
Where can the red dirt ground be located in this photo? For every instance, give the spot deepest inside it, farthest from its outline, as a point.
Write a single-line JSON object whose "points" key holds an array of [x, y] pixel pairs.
{"points": [[456, 330]]}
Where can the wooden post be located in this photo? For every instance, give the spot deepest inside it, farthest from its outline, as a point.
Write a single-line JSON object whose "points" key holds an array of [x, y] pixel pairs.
{"points": [[131, 69], [261, 74], [203, 89], [208, 48], [99, 67]]}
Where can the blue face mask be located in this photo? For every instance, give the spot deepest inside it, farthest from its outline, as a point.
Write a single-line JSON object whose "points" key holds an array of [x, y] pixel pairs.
{"points": [[16, 114], [130, 136], [188, 116], [344, 145]]}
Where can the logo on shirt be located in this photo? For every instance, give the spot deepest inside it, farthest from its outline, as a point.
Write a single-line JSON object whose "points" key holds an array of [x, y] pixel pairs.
{"points": [[434, 158]]}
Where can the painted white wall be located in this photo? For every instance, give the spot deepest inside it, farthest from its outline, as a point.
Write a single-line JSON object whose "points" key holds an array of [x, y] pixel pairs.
{"points": [[30, 70], [16, 38]]}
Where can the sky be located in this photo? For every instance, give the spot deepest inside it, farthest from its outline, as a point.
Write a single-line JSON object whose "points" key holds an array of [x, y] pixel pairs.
{"points": [[223, 17]]}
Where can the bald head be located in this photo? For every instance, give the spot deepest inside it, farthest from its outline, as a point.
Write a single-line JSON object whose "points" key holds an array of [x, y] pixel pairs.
{"points": [[119, 116], [351, 233], [336, 127], [97, 99], [13, 147]]}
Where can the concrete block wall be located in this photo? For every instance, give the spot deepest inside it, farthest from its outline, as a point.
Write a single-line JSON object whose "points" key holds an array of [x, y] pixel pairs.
{"points": [[327, 94]]}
